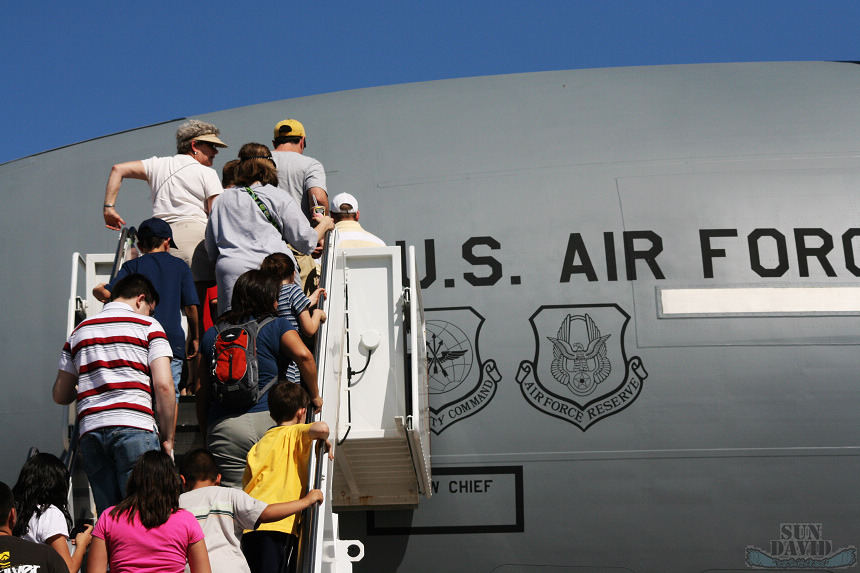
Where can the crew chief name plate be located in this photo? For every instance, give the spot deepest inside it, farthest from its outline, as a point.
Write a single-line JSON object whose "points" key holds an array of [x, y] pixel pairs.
{"points": [[465, 500]]}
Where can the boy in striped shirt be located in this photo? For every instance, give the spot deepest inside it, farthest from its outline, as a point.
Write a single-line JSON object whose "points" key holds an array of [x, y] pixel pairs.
{"points": [[117, 366]]}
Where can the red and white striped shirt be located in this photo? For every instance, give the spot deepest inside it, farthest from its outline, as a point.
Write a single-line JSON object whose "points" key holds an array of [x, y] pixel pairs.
{"points": [[110, 354]]}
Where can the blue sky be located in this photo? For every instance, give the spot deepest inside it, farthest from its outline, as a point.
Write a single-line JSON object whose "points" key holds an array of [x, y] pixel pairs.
{"points": [[78, 70]]}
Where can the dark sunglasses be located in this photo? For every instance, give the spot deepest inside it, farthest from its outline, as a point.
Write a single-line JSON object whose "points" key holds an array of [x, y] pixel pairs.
{"points": [[269, 157]]}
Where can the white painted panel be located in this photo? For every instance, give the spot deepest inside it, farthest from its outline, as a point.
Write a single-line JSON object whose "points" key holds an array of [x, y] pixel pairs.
{"points": [[759, 300]]}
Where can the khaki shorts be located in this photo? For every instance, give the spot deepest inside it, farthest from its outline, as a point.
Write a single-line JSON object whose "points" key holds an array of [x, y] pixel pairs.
{"points": [[309, 270], [191, 248], [231, 438]]}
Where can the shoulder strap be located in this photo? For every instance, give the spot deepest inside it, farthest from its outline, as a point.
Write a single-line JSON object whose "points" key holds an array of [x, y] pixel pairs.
{"points": [[260, 326], [263, 208], [268, 386], [266, 321], [169, 177], [220, 326]]}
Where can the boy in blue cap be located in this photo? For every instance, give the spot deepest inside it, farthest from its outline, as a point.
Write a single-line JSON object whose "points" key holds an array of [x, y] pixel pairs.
{"points": [[175, 285]]}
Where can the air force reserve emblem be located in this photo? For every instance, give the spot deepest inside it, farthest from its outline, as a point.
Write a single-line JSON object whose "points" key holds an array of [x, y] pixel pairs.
{"points": [[580, 372], [460, 384]]}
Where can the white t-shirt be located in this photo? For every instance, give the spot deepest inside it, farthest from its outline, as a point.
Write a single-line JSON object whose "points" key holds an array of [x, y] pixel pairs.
{"points": [[50, 523], [223, 513], [181, 186]]}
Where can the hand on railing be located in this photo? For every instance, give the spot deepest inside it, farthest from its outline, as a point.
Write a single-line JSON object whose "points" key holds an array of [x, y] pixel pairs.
{"points": [[314, 496], [113, 220], [326, 446], [315, 296], [82, 535]]}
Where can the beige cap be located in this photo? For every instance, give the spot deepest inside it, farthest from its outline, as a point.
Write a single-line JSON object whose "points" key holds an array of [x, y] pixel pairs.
{"points": [[210, 138]]}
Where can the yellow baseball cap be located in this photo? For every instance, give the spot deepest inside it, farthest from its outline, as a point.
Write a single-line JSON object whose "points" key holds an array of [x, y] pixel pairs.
{"points": [[289, 128]]}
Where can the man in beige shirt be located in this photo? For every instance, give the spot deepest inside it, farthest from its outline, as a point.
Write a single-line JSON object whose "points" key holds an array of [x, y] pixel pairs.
{"points": [[344, 211]]}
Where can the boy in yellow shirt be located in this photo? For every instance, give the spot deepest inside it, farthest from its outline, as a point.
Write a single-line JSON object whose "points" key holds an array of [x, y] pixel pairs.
{"points": [[277, 469]]}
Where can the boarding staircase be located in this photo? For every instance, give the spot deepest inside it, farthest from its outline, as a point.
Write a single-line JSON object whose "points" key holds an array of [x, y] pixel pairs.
{"points": [[372, 373]]}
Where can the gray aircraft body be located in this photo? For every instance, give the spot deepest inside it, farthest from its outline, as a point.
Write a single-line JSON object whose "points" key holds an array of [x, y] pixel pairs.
{"points": [[641, 304]]}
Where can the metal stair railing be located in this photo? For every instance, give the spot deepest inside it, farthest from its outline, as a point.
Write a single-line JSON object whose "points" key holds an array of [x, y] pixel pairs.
{"points": [[320, 548], [312, 533]]}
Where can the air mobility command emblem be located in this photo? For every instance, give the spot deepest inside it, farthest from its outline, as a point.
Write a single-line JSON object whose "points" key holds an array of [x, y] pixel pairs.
{"points": [[460, 384], [580, 372]]}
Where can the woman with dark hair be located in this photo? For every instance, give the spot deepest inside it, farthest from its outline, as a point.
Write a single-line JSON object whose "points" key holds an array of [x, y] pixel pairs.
{"points": [[41, 498], [147, 531], [253, 219], [231, 431]]}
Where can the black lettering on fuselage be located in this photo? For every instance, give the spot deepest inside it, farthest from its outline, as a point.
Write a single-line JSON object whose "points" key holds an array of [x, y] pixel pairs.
{"points": [[709, 252], [578, 261], [470, 486], [609, 249], [820, 252], [576, 247], [470, 257], [648, 255], [755, 255], [848, 247], [429, 262]]}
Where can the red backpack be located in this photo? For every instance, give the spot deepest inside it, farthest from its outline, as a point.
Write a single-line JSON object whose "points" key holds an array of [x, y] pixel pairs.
{"points": [[235, 373]]}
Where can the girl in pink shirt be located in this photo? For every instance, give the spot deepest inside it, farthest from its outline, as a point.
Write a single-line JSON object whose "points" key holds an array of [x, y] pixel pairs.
{"points": [[147, 532]]}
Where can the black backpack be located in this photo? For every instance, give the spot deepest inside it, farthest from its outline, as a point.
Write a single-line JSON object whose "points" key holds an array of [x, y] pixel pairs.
{"points": [[234, 371]]}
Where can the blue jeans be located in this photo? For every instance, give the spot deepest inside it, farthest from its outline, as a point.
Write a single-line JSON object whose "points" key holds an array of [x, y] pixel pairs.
{"points": [[176, 370], [109, 454]]}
